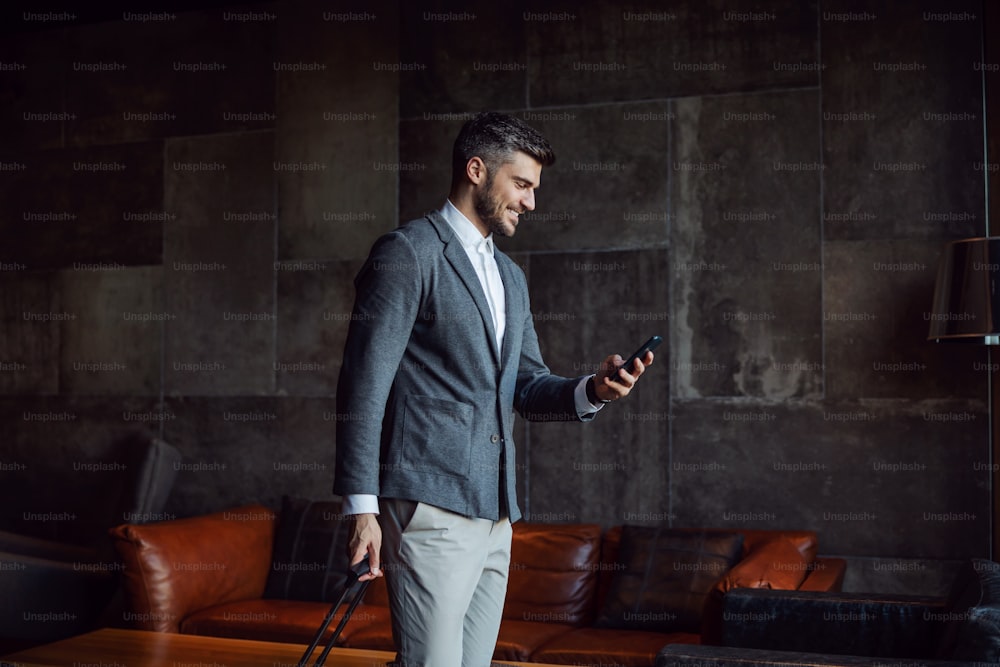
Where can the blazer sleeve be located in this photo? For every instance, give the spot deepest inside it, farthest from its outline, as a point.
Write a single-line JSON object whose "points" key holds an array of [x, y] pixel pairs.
{"points": [[540, 395], [388, 290]]}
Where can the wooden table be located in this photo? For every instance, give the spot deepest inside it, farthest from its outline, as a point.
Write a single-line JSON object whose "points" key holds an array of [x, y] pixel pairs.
{"points": [[112, 647]]}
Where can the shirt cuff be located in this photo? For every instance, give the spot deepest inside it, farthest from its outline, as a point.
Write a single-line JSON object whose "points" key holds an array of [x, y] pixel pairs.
{"points": [[583, 404], [359, 503]]}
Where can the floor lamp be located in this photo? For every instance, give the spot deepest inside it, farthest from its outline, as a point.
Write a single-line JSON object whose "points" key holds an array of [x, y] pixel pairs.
{"points": [[967, 310]]}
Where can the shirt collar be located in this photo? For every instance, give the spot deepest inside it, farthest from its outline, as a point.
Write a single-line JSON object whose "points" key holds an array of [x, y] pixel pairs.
{"points": [[467, 234]]}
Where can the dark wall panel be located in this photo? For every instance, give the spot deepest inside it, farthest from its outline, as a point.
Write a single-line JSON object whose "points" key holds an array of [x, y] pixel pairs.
{"points": [[766, 185]]}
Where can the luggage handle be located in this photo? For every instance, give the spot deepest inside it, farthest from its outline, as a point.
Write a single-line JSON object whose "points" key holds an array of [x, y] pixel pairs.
{"points": [[357, 570]]}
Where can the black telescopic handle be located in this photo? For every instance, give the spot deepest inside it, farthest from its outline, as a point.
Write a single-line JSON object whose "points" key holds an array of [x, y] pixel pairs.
{"points": [[357, 570], [343, 621]]}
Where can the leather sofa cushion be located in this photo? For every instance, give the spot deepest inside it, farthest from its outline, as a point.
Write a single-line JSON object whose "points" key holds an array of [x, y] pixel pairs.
{"points": [[597, 646], [825, 574], [609, 565], [291, 621], [553, 573], [519, 639], [777, 563], [372, 630], [175, 568], [666, 578], [309, 560], [804, 540]]}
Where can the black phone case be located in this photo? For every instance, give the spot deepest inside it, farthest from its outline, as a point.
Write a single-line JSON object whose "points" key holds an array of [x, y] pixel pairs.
{"points": [[648, 346]]}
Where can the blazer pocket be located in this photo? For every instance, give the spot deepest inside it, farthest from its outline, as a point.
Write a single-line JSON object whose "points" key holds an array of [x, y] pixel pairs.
{"points": [[437, 436]]}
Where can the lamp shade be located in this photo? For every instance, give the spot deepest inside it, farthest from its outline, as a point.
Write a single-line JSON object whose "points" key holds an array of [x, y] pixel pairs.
{"points": [[965, 295]]}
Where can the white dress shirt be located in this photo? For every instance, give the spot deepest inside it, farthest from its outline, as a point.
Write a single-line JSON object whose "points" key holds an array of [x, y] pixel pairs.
{"points": [[480, 252]]}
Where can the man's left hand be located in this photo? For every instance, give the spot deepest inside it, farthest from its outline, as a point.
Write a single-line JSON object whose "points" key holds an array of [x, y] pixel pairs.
{"points": [[610, 383]]}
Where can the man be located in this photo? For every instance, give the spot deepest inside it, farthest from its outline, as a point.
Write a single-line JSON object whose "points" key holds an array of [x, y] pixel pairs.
{"points": [[440, 350]]}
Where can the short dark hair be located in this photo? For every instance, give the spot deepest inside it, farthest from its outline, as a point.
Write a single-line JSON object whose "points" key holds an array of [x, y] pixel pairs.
{"points": [[495, 137]]}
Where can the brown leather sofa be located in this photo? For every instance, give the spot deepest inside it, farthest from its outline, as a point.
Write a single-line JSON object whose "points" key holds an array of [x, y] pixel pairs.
{"points": [[206, 575], [57, 502]]}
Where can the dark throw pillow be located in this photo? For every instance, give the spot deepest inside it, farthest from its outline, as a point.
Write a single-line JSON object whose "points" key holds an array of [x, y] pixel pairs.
{"points": [[666, 577], [979, 640], [309, 560], [989, 580], [979, 632]]}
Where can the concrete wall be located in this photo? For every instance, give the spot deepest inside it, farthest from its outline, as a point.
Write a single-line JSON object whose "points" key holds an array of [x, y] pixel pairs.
{"points": [[767, 185]]}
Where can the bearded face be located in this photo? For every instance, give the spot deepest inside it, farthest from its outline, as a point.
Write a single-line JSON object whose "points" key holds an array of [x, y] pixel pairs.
{"points": [[506, 193]]}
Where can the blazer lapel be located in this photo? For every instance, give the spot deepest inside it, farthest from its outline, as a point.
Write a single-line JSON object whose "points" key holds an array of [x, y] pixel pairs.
{"points": [[459, 260]]}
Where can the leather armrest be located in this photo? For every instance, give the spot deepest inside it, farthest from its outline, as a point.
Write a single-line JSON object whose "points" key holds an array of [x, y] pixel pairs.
{"points": [[687, 655], [826, 574], [840, 623], [774, 564], [175, 568], [777, 563]]}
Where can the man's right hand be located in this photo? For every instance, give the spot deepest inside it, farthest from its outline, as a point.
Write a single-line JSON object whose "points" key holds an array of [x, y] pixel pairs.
{"points": [[366, 538]]}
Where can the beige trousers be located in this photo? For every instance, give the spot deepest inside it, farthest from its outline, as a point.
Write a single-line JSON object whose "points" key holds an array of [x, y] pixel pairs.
{"points": [[447, 580]]}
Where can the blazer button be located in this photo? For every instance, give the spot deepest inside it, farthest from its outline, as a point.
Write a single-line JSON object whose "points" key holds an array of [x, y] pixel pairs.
{"points": [[494, 438]]}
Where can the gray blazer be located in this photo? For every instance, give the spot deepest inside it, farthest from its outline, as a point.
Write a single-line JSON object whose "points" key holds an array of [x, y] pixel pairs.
{"points": [[424, 402]]}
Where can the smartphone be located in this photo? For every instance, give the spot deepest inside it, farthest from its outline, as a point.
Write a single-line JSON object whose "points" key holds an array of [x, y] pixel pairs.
{"points": [[648, 346]]}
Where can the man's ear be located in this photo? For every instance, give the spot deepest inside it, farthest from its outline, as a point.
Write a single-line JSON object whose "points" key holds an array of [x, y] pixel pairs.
{"points": [[475, 170]]}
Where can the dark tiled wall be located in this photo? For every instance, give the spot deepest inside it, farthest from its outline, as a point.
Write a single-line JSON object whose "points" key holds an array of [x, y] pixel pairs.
{"points": [[767, 185], [185, 201]]}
